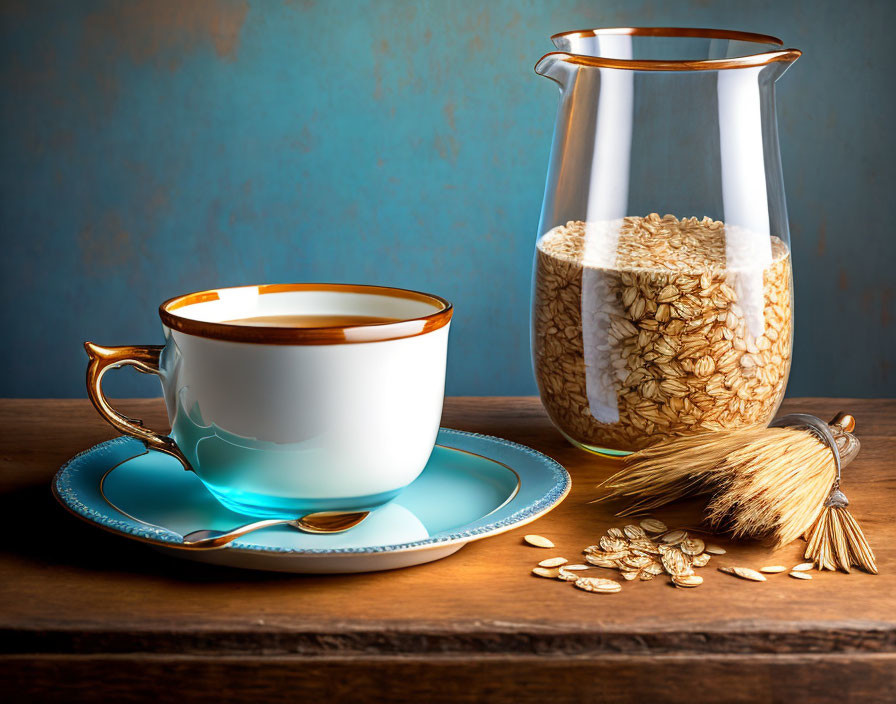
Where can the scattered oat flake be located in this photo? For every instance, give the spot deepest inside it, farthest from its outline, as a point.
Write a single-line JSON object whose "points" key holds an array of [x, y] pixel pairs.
{"points": [[673, 537], [637, 561], [687, 580], [538, 541], [636, 556], [608, 544], [692, 546], [597, 585], [632, 531], [652, 525], [676, 563], [598, 561], [654, 568], [644, 545], [747, 573], [701, 560]]}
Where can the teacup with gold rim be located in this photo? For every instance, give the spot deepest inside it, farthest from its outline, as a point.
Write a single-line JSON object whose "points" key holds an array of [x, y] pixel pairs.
{"points": [[288, 399]]}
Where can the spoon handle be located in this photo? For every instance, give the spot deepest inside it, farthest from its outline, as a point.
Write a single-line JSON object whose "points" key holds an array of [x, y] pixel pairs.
{"points": [[323, 522], [215, 538]]}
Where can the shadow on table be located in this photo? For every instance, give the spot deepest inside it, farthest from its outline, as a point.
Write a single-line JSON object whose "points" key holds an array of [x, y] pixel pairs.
{"points": [[47, 534]]}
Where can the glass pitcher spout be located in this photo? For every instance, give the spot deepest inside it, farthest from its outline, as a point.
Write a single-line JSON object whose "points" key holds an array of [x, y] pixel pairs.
{"points": [[558, 66]]}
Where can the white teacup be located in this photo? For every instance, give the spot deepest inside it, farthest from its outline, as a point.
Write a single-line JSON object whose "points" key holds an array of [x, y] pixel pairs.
{"points": [[280, 419]]}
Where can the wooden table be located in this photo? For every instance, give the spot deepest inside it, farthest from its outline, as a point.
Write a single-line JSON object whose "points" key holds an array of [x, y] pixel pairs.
{"points": [[88, 616]]}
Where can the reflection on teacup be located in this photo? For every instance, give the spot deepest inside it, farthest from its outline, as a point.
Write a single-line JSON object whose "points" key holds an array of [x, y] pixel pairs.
{"points": [[287, 399]]}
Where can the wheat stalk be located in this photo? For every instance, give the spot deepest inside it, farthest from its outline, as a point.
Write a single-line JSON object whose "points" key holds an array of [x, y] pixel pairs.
{"points": [[761, 482], [837, 542]]}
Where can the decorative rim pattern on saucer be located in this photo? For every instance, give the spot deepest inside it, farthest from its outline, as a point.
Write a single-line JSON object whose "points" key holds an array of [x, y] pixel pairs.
{"points": [[514, 513]]}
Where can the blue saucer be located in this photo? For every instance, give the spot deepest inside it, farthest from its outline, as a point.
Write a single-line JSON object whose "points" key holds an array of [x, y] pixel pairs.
{"points": [[474, 486]]}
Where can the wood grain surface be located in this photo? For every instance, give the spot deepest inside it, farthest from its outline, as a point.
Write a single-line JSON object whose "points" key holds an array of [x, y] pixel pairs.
{"points": [[85, 615]]}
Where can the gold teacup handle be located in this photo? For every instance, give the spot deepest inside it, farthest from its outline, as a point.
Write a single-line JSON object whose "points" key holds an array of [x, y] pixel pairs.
{"points": [[144, 358]]}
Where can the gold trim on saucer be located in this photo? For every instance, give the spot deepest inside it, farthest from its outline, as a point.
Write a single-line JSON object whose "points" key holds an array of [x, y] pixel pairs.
{"points": [[519, 481], [176, 546], [121, 510]]}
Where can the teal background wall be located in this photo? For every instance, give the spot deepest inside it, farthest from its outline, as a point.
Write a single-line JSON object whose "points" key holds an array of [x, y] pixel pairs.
{"points": [[153, 147]]}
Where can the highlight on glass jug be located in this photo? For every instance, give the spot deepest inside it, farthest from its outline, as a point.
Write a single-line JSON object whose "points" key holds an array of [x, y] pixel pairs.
{"points": [[662, 292]]}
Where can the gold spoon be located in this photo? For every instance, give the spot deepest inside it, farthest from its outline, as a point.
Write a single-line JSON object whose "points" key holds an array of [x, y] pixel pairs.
{"points": [[321, 522]]}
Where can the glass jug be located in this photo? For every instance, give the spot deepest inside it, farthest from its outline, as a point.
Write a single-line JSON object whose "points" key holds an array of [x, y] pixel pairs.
{"points": [[662, 292]]}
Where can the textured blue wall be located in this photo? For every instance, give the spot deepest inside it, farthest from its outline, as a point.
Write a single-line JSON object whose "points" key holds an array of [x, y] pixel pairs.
{"points": [[154, 147]]}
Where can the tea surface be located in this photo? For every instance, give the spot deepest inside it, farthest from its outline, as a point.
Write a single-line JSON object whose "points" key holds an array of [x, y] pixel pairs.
{"points": [[311, 321]]}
